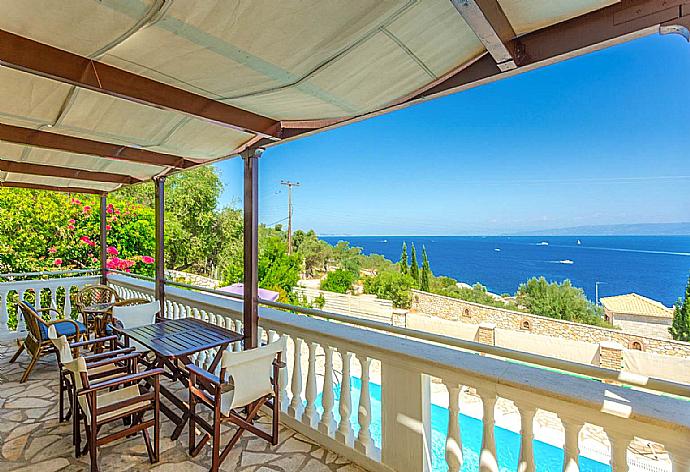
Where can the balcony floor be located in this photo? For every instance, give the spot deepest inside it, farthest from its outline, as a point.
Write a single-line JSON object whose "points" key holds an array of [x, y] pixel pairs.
{"points": [[32, 439]]}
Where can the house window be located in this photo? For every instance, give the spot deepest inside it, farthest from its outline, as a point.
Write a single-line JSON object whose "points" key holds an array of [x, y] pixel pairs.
{"points": [[526, 325], [637, 346]]}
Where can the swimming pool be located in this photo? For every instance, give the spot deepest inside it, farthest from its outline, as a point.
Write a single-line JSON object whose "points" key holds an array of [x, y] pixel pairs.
{"points": [[548, 458]]}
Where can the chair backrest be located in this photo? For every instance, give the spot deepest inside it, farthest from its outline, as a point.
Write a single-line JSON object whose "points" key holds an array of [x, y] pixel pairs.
{"points": [[135, 315], [62, 345], [94, 294], [34, 323], [78, 367], [251, 372]]}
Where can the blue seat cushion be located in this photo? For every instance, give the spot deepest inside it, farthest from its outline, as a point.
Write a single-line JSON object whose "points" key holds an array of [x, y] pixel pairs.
{"points": [[62, 327]]}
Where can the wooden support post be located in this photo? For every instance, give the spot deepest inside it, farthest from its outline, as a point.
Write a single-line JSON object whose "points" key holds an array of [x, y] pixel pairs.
{"points": [[251, 242], [160, 242], [103, 239]]}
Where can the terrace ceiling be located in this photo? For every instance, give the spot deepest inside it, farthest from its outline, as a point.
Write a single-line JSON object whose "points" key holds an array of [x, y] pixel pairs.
{"points": [[96, 94]]}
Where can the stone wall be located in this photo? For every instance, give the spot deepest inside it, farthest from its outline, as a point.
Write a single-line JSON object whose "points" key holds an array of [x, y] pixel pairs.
{"points": [[453, 309]]}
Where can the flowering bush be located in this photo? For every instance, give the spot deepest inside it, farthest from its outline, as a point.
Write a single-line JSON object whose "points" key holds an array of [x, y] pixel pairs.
{"points": [[44, 230]]}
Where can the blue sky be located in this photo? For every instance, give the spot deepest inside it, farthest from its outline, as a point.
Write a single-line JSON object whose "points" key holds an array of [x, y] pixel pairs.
{"points": [[600, 139]]}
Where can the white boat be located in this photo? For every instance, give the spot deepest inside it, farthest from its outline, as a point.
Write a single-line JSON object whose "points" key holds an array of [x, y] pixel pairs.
{"points": [[566, 261], [497, 250], [543, 243], [579, 242]]}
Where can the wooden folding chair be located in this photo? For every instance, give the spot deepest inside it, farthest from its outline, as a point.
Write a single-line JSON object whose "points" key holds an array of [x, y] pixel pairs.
{"points": [[67, 352], [252, 383], [115, 399], [37, 342]]}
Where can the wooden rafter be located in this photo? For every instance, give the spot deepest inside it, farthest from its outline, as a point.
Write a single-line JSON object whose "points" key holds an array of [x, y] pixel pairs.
{"points": [[88, 147], [41, 59], [488, 21], [51, 188], [65, 172]]}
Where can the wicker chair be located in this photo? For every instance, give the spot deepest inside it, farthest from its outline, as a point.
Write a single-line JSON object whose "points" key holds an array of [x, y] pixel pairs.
{"points": [[92, 295], [67, 352], [37, 342]]}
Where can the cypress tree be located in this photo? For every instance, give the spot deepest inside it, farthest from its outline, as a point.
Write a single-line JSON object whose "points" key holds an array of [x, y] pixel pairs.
{"points": [[414, 268], [404, 269], [426, 272], [680, 329]]}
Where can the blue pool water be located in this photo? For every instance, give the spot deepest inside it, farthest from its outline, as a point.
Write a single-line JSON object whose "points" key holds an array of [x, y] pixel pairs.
{"points": [[548, 458]]}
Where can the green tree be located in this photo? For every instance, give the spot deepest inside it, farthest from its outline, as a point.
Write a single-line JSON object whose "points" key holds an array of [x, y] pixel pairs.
{"points": [[391, 286], [426, 272], [561, 301], [339, 281], [404, 269], [414, 267], [278, 270], [680, 328]]}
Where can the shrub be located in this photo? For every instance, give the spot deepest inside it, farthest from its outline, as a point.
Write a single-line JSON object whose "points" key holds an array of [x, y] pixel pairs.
{"points": [[391, 286], [339, 281]]}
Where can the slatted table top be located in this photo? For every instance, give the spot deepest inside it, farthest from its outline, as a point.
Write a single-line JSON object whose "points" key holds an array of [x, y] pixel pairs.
{"points": [[175, 338]]}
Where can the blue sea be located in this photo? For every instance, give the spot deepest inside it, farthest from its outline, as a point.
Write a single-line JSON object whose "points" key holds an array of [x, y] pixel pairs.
{"points": [[654, 266]]}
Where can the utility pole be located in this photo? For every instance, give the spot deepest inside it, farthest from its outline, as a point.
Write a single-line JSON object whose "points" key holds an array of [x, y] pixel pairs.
{"points": [[289, 186]]}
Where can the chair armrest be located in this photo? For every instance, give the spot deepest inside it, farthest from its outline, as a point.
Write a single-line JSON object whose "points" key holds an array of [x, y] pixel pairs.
{"points": [[204, 374], [93, 341], [104, 355], [113, 360], [121, 380]]}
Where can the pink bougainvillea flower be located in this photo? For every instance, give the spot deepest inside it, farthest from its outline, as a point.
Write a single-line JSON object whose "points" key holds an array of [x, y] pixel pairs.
{"points": [[119, 264], [114, 218], [117, 212], [108, 227], [147, 259], [112, 251], [76, 201], [70, 227], [93, 259], [85, 239], [57, 261], [87, 209], [52, 250], [72, 221]]}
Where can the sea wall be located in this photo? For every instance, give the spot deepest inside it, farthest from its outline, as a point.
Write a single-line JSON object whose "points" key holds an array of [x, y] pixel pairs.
{"points": [[460, 311]]}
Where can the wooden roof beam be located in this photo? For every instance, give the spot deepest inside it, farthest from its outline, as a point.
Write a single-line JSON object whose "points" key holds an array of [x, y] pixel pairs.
{"points": [[51, 188], [41, 59], [596, 30], [65, 172], [88, 147], [488, 21]]}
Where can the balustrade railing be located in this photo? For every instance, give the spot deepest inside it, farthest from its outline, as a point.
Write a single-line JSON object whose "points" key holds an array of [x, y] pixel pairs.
{"points": [[333, 368], [42, 292]]}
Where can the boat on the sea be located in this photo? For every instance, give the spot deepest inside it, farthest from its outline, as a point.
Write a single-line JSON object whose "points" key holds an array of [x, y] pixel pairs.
{"points": [[579, 242], [566, 261], [497, 250], [543, 243]]}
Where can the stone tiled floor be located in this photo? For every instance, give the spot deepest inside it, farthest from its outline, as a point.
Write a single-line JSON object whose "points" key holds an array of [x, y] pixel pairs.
{"points": [[32, 439]]}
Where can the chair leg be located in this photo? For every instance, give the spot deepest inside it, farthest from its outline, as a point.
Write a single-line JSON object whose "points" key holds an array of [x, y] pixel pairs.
{"points": [[93, 448], [30, 367], [19, 351], [215, 454]]}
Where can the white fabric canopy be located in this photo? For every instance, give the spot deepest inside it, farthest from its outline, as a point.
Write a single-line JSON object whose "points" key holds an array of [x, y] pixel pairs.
{"points": [[289, 60]]}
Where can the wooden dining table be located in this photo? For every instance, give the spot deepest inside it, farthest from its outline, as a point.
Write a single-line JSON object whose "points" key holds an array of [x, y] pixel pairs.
{"points": [[174, 342]]}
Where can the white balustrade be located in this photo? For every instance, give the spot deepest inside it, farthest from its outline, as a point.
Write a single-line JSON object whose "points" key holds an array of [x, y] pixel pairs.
{"points": [[311, 416], [453, 440], [296, 408], [406, 366], [345, 433], [526, 461], [327, 424]]}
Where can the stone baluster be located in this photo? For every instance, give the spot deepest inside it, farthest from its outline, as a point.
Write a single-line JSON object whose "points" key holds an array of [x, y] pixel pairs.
{"points": [[238, 329], [21, 324], [619, 451], [53, 301], [571, 448], [526, 461], [311, 416], [327, 425], [283, 383], [487, 457], [454, 438], [68, 302], [37, 297], [296, 407], [364, 443], [261, 336], [4, 317], [345, 434]]}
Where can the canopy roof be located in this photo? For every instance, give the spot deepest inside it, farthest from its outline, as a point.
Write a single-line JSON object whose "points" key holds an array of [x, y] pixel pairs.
{"points": [[97, 94]]}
